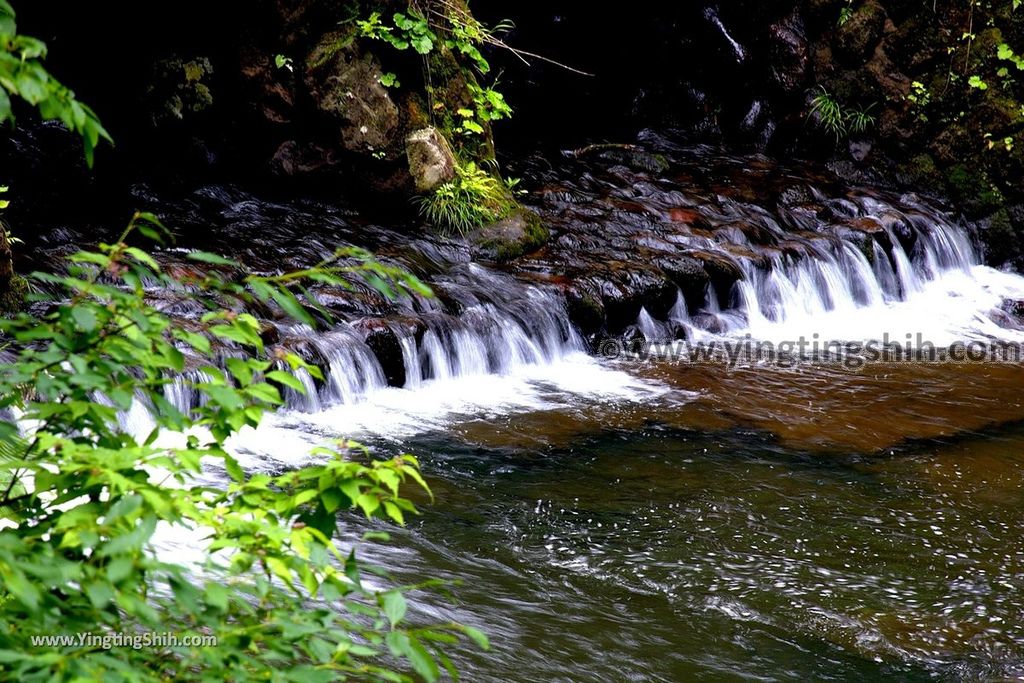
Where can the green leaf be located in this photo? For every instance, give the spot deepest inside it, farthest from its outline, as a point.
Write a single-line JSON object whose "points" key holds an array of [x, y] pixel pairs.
{"points": [[216, 596], [212, 259], [292, 307], [234, 469], [286, 379], [223, 396], [395, 606], [477, 637], [100, 594], [240, 370], [332, 499], [422, 44], [8, 27], [119, 569], [5, 106], [84, 318], [422, 662]]}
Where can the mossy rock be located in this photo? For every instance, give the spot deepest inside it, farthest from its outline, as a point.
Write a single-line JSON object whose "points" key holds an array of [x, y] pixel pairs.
{"points": [[519, 233], [860, 34], [1001, 240], [921, 170], [344, 83], [12, 297], [586, 310], [970, 188]]}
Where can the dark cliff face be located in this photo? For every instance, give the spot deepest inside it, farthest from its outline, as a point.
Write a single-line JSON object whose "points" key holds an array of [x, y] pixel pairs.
{"points": [[197, 87], [746, 74]]}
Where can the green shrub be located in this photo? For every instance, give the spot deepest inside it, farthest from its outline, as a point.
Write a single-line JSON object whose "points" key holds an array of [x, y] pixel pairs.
{"points": [[81, 499], [473, 199], [841, 121], [23, 75]]}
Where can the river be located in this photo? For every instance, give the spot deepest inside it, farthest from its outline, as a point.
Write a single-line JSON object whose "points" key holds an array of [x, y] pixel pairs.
{"points": [[609, 516]]}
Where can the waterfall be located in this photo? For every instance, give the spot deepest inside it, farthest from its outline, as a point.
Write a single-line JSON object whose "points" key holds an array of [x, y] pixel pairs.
{"points": [[914, 271], [504, 328], [711, 14]]}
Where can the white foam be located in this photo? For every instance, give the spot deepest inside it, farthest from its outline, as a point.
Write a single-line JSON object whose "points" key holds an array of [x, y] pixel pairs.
{"points": [[395, 414]]}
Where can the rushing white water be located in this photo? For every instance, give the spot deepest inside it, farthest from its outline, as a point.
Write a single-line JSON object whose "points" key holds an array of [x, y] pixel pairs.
{"points": [[516, 352], [495, 346], [846, 291]]}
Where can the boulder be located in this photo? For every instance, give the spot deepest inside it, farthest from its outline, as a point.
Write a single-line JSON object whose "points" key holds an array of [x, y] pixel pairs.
{"points": [[344, 83], [511, 237], [789, 51], [431, 160]]}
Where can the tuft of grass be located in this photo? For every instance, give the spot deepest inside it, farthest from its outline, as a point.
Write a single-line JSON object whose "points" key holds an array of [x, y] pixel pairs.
{"points": [[859, 120], [828, 112], [834, 118], [472, 199]]}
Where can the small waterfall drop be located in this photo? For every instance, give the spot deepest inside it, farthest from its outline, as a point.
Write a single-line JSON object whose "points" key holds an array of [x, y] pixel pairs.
{"points": [[907, 269]]}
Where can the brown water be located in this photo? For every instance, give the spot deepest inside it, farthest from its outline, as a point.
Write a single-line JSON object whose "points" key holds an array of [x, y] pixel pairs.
{"points": [[799, 524]]}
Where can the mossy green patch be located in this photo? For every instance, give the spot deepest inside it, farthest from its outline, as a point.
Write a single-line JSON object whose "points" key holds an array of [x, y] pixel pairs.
{"points": [[12, 299]]}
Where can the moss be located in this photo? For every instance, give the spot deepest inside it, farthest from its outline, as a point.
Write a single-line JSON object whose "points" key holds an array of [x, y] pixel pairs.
{"points": [[330, 45], [1000, 238], [921, 170], [534, 236], [971, 188], [520, 232], [12, 299]]}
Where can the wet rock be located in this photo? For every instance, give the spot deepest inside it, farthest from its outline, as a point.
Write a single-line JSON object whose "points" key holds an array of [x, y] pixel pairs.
{"points": [[511, 237], [269, 333], [384, 343], [689, 275], [431, 160], [648, 289], [723, 273], [896, 225], [707, 322], [860, 149], [1014, 307], [294, 158], [795, 196], [586, 311], [789, 51], [631, 156], [633, 340]]}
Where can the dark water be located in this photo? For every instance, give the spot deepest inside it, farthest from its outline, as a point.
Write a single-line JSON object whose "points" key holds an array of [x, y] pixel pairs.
{"points": [[636, 549]]}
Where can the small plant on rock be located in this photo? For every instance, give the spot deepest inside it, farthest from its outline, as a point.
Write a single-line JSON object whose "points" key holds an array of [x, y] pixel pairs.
{"points": [[842, 122], [471, 200]]}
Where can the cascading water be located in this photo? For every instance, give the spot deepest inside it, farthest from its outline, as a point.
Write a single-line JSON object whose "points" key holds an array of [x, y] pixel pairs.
{"points": [[914, 271], [806, 257], [506, 343], [700, 492]]}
